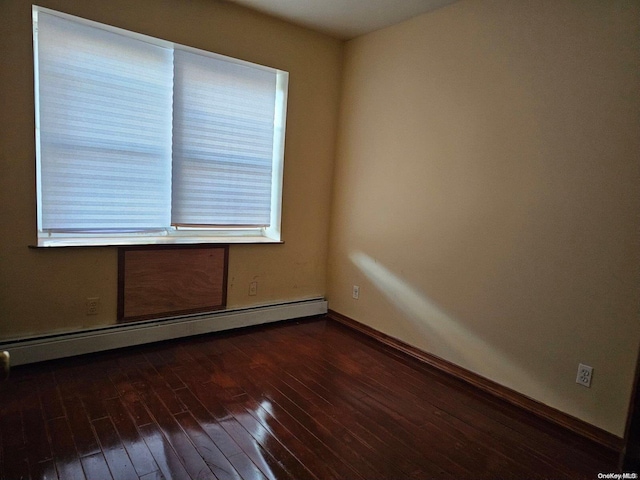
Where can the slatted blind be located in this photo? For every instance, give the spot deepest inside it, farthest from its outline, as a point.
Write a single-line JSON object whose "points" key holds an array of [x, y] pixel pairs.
{"points": [[105, 128], [137, 134], [223, 141]]}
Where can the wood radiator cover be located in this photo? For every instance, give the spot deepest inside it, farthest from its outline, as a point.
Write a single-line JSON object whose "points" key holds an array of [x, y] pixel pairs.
{"points": [[163, 281]]}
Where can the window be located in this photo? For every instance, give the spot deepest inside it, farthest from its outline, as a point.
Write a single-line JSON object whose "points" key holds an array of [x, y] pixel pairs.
{"points": [[140, 140]]}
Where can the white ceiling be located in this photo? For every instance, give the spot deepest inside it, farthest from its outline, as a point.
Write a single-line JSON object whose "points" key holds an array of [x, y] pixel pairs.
{"points": [[344, 19]]}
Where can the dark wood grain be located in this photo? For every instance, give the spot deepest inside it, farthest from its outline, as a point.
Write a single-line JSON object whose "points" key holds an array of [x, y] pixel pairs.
{"points": [[95, 467], [306, 399], [119, 462], [64, 451], [132, 441]]}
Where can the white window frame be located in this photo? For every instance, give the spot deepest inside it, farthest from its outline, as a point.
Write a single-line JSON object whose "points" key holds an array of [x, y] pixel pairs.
{"points": [[171, 234]]}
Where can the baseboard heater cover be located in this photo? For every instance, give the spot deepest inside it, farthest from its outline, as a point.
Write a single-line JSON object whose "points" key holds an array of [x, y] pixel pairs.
{"points": [[50, 347]]}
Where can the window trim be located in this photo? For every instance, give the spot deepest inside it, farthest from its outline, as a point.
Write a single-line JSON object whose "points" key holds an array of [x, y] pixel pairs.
{"points": [[171, 234]]}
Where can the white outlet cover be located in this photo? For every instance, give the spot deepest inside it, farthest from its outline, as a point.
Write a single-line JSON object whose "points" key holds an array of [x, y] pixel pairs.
{"points": [[93, 304], [585, 374]]}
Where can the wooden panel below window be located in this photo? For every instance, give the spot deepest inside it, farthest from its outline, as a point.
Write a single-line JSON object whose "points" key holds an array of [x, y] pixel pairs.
{"points": [[163, 281]]}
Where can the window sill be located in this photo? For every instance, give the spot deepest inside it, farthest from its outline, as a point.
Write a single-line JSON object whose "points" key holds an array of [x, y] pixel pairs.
{"points": [[151, 240]]}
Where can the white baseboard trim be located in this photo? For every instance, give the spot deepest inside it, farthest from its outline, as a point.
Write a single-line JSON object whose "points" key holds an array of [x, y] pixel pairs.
{"points": [[49, 347]]}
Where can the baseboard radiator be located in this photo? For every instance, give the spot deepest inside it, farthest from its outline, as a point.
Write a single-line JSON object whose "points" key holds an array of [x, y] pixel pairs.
{"points": [[50, 347]]}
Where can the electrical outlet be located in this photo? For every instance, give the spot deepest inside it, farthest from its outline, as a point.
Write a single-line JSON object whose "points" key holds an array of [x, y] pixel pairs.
{"points": [[585, 374], [356, 292], [253, 288], [93, 304]]}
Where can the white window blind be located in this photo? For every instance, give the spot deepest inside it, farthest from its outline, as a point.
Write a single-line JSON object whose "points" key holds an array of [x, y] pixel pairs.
{"points": [[223, 142], [141, 137], [105, 136]]}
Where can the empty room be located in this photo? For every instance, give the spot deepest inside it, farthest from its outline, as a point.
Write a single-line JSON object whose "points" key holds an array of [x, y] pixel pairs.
{"points": [[291, 239]]}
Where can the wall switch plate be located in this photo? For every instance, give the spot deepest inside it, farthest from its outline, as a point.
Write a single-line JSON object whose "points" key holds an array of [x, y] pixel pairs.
{"points": [[585, 374]]}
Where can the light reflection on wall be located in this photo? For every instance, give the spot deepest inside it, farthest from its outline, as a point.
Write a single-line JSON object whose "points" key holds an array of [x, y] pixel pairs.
{"points": [[429, 320]]}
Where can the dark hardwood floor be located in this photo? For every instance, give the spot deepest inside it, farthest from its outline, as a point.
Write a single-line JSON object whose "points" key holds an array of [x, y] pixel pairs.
{"points": [[298, 400]]}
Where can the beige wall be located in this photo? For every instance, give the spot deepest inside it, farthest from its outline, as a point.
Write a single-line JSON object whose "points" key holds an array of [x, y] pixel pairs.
{"points": [[45, 290], [486, 194]]}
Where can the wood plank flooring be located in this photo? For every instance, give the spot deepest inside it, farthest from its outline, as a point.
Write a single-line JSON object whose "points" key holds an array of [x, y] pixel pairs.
{"points": [[307, 399]]}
